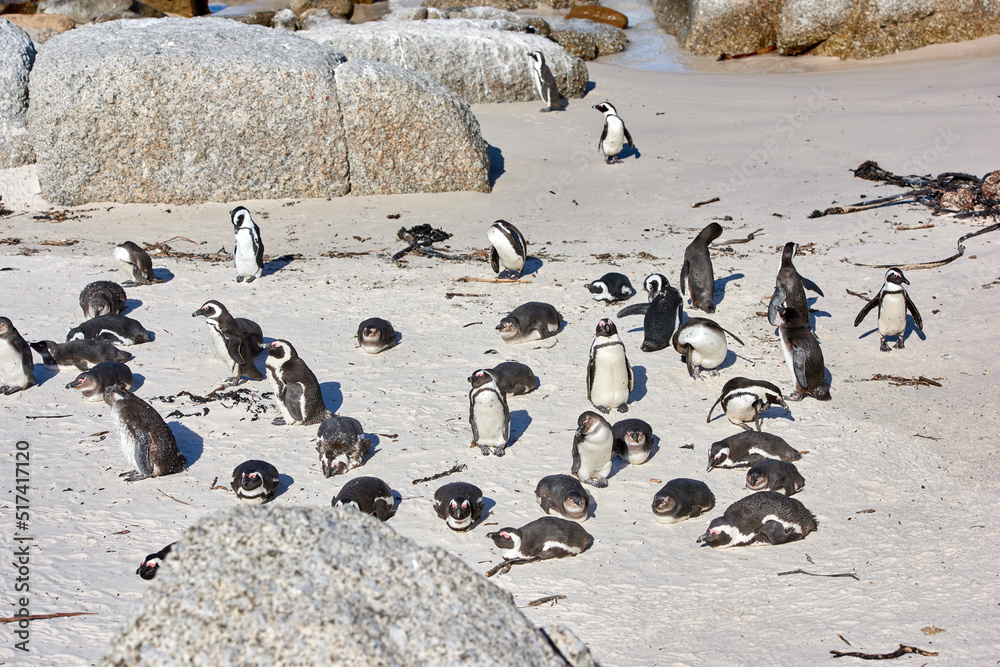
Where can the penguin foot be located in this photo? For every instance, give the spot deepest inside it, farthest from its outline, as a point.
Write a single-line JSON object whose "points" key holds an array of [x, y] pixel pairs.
{"points": [[795, 397], [239, 279], [133, 476], [614, 160], [130, 283], [7, 390], [599, 482], [545, 110], [623, 408], [714, 373], [884, 346], [899, 343], [251, 279], [603, 410], [278, 421], [485, 450], [745, 427], [499, 451]]}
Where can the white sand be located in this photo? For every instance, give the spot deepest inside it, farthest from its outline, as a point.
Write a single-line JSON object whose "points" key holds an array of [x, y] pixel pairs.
{"points": [[773, 147]]}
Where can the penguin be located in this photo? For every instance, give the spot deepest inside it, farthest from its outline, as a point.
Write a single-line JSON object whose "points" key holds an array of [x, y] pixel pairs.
{"points": [[593, 445], [792, 287], [17, 368], [803, 356], [609, 374], [661, 316], [633, 440], [236, 341], [548, 537], [744, 399], [106, 374], [614, 135], [366, 494], [762, 517], [702, 344], [611, 287], [116, 329], [151, 563], [514, 378], [563, 495], [775, 475], [545, 83], [893, 302], [508, 249], [489, 415], [79, 354], [747, 448], [375, 335], [145, 439], [529, 322], [696, 272], [102, 298], [341, 444], [135, 263], [295, 386], [681, 499], [248, 252], [255, 481], [460, 504], [655, 283]]}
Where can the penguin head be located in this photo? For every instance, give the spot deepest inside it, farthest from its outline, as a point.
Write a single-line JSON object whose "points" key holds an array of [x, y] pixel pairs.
{"points": [[113, 394], [280, 349], [717, 455], [634, 437], [210, 309], [44, 348], [6, 326], [606, 328], [606, 108], [240, 216], [507, 538], [99, 305], [756, 479], [459, 508], [346, 502], [788, 252], [664, 505], [82, 382], [147, 570], [251, 479], [654, 284], [333, 463], [481, 378], [588, 422], [896, 276], [538, 57], [508, 327], [575, 504], [599, 290], [718, 533]]}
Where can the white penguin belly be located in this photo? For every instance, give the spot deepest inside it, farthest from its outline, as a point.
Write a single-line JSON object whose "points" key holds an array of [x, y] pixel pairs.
{"points": [[610, 385], [740, 408], [124, 260], [708, 347], [11, 372], [595, 460], [892, 317], [125, 439], [615, 139], [786, 350], [246, 256], [289, 419], [222, 350], [509, 257], [490, 422]]}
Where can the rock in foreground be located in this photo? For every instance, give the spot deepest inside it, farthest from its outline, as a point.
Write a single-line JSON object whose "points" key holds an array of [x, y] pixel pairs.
{"points": [[17, 54]]}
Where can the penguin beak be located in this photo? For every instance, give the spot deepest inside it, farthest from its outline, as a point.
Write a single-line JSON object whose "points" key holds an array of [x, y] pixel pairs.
{"points": [[704, 536], [196, 313]]}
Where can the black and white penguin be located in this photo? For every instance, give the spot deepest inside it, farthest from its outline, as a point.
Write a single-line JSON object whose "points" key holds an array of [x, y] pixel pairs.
{"points": [[102, 298], [79, 354], [545, 83], [765, 517], [341, 444], [744, 399], [529, 322], [633, 440], [106, 374], [548, 537], [135, 263], [255, 481], [702, 343], [609, 374], [17, 368], [792, 287], [489, 415], [696, 272], [115, 329], [593, 446], [151, 564], [681, 499], [460, 504], [375, 335], [747, 448], [295, 386], [236, 340], [614, 135], [775, 475], [366, 494], [145, 439], [563, 495], [661, 316], [611, 288], [803, 356], [248, 252], [893, 302], [508, 249], [514, 378]]}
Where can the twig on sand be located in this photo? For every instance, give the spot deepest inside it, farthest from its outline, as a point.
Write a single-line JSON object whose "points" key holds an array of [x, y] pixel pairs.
{"points": [[860, 296], [707, 201], [748, 239], [813, 574], [929, 265], [899, 652], [492, 280], [46, 416], [171, 497], [41, 617], [896, 381], [548, 598], [504, 567], [452, 295], [451, 471], [470, 324]]}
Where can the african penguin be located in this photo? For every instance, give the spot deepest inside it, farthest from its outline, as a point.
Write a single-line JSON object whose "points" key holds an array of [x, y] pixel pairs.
{"points": [[145, 439], [633, 440], [341, 444], [775, 475], [151, 564], [135, 263], [611, 287], [747, 448], [17, 368], [792, 287], [593, 445], [460, 504], [489, 415], [529, 322], [614, 135], [762, 517], [702, 343], [366, 494], [93, 382], [803, 356], [563, 495], [102, 298], [744, 399], [236, 341], [375, 335], [893, 302], [255, 481], [514, 378], [545, 83], [609, 374], [655, 283], [661, 316], [696, 272], [248, 252], [79, 354], [295, 386], [116, 329], [681, 499], [508, 249], [548, 537]]}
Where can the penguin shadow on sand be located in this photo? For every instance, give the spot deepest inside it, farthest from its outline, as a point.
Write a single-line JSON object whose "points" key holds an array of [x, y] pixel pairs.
{"points": [[162, 275], [910, 330], [138, 379], [629, 151], [333, 397], [488, 505], [190, 443], [519, 422], [813, 314], [284, 483], [720, 287], [618, 463], [131, 305], [373, 449], [533, 265], [638, 384], [496, 165], [276, 264]]}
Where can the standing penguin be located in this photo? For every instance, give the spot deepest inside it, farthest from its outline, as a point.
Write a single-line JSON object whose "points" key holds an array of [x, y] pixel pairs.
{"points": [[655, 283], [102, 298], [702, 343], [611, 288], [609, 375], [508, 249], [661, 316], [17, 367], [696, 272], [249, 249], [614, 135], [803, 355], [367, 494], [145, 439], [790, 287], [545, 83], [593, 445], [893, 302], [255, 481], [489, 415], [763, 517], [460, 504], [375, 335], [744, 399], [94, 382], [135, 263], [342, 445], [236, 340], [295, 386]]}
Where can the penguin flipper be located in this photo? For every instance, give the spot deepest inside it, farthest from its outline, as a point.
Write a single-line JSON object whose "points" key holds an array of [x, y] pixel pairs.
{"points": [[811, 286], [917, 320], [236, 346], [142, 443], [687, 358], [868, 308], [684, 272], [472, 422], [634, 309], [590, 378], [631, 378], [293, 400], [799, 366], [774, 307], [258, 248], [732, 335], [382, 509], [717, 401], [506, 423], [628, 137], [776, 533], [494, 260]]}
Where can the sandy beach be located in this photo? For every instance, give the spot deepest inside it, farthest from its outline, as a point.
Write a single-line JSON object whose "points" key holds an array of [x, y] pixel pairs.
{"points": [[901, 478]]}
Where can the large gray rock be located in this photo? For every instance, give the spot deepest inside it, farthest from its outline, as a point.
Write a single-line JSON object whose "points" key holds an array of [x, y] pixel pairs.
{"points": [[17, 54], [185, 110], [712, 27], [587, 39], [408, 133], [85, 11], [478, 64], [318, 586]]}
